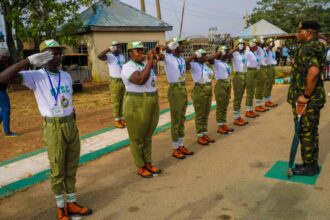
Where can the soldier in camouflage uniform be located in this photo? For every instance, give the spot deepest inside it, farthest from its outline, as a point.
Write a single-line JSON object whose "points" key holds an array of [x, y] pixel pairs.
{"points": [[307, 89]]}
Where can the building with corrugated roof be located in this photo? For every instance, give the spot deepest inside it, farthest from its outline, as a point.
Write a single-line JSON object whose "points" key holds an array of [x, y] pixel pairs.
{"points": [[117, 22]]}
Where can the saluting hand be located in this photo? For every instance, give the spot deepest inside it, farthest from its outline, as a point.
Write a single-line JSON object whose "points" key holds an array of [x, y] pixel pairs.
{"points": [[40, 59]]}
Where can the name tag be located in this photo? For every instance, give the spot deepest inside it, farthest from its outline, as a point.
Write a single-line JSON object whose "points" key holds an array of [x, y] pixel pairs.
{"points": [[58, 111]]}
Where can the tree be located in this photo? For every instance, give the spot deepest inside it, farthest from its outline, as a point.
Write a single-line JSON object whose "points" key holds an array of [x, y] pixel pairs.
{"points": [[287, 14], [36, 20]]}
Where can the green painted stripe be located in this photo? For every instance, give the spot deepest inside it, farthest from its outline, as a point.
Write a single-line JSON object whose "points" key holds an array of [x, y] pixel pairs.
{"points": [[44, 175], [83, 137], [23, 156]]}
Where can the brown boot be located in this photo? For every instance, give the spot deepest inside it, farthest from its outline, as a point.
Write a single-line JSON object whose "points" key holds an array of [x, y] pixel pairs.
{"points": [[202, 141], [144, 172], [222, 130], [208, 139], [119, 125], [152, 169], [123, 122], [251, 114], [228, 128], [260, 109], [178, 154], [185, 151], [270, 104], [240, 122], [62, 213], [75, 209]]}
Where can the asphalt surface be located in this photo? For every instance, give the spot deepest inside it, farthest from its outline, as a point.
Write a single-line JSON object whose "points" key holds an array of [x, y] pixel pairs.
{"points": [[224, 180]]}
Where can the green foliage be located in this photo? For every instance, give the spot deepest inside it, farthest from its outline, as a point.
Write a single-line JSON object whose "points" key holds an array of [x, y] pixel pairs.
{"points": [[37, 20], [287, 14]]}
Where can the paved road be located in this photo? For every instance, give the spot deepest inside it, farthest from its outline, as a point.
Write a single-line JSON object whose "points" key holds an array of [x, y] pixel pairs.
{"points": [[221, 181]]}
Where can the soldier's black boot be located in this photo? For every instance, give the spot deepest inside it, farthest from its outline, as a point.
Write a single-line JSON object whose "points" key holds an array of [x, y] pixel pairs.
{"points": [[306, 169], [315, 165]]}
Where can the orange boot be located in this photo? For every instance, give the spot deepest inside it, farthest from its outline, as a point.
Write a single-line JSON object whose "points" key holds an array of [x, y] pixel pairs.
{"points": [[228, 128], [75, 209], [185, 151], [222, 130], [142, 171], [260, 108], [202, 141], [208, 139], [152, 169], [251, 114], [178, 154], [62, 213], [270, 104], [240, 122], [123, 122], [118, 124]]}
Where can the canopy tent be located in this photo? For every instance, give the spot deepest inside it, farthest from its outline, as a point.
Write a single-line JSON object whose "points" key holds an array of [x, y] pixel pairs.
{"points": [[262, 28]]}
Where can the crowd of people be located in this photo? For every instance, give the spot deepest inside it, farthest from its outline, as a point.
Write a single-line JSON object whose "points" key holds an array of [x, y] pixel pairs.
{"points": [[133, 86]]}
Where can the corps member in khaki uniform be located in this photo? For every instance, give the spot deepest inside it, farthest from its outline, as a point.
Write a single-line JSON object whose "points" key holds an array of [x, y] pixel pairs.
{"points": [[175, 67], [201, 95], [115, 62], [141, 107], [52, 88]]}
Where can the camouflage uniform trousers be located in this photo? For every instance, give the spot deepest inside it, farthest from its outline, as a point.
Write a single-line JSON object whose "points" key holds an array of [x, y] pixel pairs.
{"points": [[309, 136], [117, 93]]}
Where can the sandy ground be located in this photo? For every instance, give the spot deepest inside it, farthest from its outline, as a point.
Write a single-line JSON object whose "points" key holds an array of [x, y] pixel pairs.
{"points": [[222, 181], [93, 108]]}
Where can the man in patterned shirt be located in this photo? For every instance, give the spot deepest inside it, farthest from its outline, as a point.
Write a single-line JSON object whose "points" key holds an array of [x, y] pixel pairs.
{"points": [[307, 89]]}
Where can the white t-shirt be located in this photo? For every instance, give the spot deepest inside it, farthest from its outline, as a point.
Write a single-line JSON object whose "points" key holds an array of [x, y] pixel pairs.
{"points": [[38, 81], [328, 55], [221, 70], [262, 54], [128, 69], [115, 64], [175, 68], [239, 62], [201, 73], [252, 60], [271, 58]]}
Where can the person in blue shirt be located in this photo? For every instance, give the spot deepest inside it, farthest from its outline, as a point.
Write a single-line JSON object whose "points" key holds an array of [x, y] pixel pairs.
{"points": [[285, 54]]}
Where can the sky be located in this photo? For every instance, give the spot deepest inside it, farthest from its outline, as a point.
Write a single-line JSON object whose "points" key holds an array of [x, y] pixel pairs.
{"points": [[200, 15]]}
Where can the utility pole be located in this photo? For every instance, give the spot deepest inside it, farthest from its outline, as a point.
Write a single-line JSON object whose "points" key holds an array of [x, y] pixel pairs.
{"points": [[184, 3], [143, 6], [159, 15]]}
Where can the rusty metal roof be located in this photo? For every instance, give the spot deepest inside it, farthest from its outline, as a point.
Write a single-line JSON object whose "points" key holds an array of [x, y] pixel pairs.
{"points": [[120, 17]]}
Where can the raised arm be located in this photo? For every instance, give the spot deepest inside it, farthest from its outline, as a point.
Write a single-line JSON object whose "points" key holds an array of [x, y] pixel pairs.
{"points": [[102, 55], [10, 75], [140, 78]]}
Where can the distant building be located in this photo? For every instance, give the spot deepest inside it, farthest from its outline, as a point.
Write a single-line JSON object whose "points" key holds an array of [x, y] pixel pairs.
{"points": [[117, 22], [198, 42]]}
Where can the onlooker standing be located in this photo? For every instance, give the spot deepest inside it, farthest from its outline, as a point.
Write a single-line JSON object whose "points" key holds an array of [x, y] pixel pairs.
{"points": [[278, 56], [4, 98], [285, 54]]}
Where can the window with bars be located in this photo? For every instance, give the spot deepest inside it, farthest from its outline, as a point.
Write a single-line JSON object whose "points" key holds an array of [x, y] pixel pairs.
{"points": [[147, 45], [83, 49]]}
